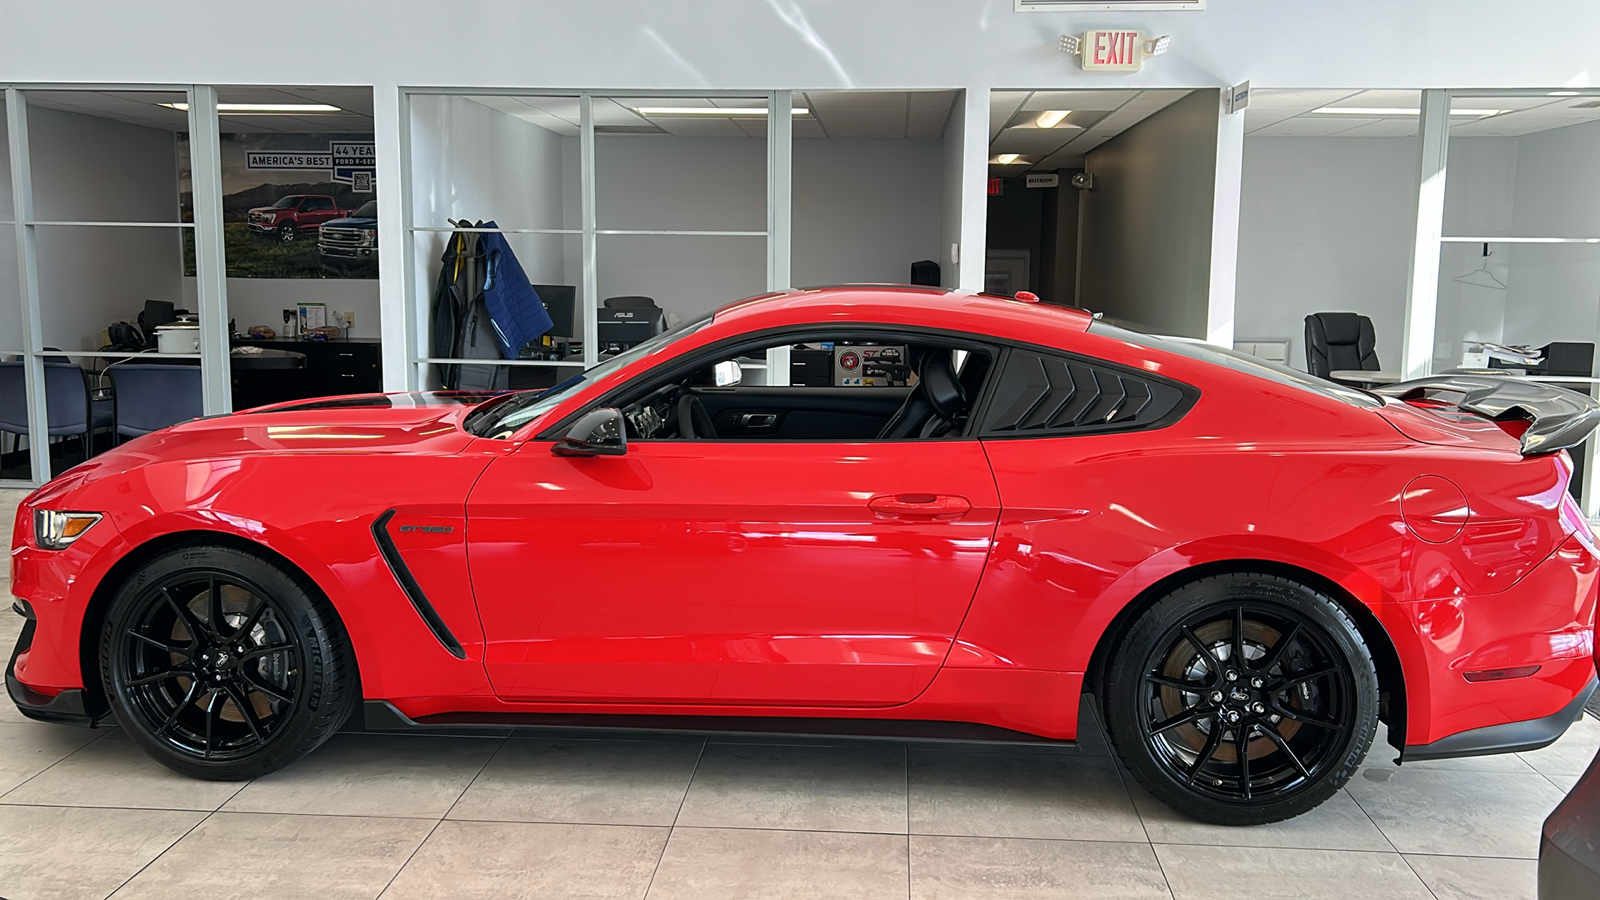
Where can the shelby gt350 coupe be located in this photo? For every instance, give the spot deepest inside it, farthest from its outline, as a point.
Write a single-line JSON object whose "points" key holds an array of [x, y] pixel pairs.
{"points": [[971, 512]]}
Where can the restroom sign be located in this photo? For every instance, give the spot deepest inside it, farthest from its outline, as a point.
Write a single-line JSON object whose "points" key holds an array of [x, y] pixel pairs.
{"points": [[1113, 49]]}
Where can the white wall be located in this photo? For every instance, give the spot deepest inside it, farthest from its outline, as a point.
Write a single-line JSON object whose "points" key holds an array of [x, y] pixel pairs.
{"points": [[1555, 289], [261, 301], [470, 161], [1325, 226], [1146, 234], [803, 44], [865, 210], [91, 169]]}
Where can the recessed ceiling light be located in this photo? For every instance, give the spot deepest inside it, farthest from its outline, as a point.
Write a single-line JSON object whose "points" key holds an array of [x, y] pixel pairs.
{"points": [[1396, 111], [1050, 118], [263, 109], [720, 112], [1006, 159]]}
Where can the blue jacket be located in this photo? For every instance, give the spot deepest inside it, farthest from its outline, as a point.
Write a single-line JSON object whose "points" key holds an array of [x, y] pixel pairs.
{"points": [[514, 306]]}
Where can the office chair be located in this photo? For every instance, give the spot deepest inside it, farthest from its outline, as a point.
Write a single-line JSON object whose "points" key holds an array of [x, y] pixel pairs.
{"points": [[69, 411], [151, 396], [1340, 340], [629, 303]]}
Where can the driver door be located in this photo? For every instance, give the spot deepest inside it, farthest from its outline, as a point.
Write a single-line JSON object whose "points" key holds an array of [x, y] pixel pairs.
{"points": [[728, 572]]}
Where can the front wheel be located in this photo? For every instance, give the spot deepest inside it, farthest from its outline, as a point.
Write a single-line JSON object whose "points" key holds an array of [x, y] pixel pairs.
{"points": [[1242, 699], [223, 665], [287, 232]]}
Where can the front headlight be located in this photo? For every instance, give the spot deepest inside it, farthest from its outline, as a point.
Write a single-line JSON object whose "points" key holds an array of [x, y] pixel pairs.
{"points": [[54, 529]]}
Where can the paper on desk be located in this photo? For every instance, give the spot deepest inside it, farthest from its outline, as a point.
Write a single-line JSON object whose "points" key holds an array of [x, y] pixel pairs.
{"points": [[1522, 356]]}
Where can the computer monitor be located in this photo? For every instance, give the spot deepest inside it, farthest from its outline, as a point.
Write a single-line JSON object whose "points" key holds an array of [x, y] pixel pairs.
{"points": [[156, 314], [622, 328], [560, 300]]}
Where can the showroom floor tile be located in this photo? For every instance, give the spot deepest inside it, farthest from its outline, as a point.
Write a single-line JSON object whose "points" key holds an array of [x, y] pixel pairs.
{"points": [[591, 816]]}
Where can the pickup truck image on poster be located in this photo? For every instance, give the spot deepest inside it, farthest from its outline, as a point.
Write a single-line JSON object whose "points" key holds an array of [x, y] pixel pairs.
{"points": [[279, 193]]}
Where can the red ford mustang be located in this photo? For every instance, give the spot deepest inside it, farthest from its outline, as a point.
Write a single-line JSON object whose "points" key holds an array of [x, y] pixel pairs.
{"points": [[969, 513]]}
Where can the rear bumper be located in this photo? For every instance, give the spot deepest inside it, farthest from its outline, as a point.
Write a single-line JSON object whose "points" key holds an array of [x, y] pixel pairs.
{"points": [[1509, 737], [70, 707], [1569, 846]]}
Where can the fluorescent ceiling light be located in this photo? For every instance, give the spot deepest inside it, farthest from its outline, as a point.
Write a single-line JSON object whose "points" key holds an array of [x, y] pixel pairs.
{"points": [[264, 109], [1006, 159], [1050, 118], [1564, 94], [1396, 111], [720, 112]]}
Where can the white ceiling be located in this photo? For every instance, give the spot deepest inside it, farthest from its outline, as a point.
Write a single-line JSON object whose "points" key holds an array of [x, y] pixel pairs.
{"points": [[839, 114], [1292, 113], [1095, 117], [140, 108]]}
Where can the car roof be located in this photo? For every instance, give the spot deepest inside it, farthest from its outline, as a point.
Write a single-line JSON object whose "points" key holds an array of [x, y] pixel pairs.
{"points": [[908, 305]]}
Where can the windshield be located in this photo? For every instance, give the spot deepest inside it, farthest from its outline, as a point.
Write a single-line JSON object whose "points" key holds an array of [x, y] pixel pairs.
{"points": [[368, 210], [1239, 362], [287, 202], [501, 420]]}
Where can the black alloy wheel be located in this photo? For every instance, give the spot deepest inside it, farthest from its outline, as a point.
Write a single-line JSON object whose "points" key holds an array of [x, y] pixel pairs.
{"points": [[222, 665], [1243, 699]]}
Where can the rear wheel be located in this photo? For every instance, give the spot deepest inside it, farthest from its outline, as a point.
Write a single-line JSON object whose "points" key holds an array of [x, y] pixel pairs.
{"points": [[223, 665], [1242, 699]]}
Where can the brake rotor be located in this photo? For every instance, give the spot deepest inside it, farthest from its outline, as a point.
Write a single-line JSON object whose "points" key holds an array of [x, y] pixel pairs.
{"points": [[1184, 663]]}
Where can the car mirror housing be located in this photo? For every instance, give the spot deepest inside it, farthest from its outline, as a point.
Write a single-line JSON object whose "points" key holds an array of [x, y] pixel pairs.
{"points": [[599, 432]]}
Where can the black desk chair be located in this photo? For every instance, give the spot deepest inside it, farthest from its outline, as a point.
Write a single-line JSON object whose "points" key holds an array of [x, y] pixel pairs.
{"points": [[629, 302], [151, 396], [1340, 340]]}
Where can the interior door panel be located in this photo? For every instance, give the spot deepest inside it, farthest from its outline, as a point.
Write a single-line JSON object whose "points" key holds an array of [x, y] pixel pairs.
{"points": [[801, 413]]}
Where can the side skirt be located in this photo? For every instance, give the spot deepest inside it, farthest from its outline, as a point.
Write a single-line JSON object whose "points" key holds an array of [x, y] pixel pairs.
{"points": [[382, 716]]}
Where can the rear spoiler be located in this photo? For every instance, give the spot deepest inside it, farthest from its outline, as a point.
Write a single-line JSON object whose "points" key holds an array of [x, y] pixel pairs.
{"points": [[1558, 419]]}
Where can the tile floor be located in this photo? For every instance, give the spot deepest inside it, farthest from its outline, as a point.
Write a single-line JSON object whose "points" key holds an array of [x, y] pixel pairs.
{"points": [[85, 815]]}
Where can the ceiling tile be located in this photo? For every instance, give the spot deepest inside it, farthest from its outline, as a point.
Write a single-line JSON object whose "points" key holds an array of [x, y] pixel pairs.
{"points": [[1387, 127], [859, 100], [1096, 100], [1033, 140], [1314, 126]]}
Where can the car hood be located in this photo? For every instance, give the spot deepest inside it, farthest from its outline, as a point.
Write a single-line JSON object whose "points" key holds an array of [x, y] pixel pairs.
{"points": [[416, 423], [352, 222]]}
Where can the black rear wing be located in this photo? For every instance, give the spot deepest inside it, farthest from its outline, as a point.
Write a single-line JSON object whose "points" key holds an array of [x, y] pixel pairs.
{"points": [[1558, 419]]}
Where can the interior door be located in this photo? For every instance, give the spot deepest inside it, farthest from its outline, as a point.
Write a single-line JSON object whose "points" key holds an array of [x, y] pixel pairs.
{"points": [[728, 572], [801, 413]]}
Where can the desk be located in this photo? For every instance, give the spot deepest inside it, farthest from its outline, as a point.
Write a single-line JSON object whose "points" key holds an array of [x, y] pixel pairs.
{"points": [[260, 375]]}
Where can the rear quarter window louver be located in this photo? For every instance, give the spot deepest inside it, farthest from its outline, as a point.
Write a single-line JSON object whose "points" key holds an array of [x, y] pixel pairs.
{"points": [[1043, 394]]}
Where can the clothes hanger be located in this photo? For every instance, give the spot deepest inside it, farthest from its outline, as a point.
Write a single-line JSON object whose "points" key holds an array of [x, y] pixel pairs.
{"points": [[1481, 276]]}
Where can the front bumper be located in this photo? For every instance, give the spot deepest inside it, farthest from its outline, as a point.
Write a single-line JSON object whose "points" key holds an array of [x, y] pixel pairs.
{"points": [[1569, 846], [342, 252], [263, 227], [71, 707]]}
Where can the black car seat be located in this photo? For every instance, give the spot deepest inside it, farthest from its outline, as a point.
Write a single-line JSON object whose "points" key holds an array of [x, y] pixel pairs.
{"points": [[935, 407]]}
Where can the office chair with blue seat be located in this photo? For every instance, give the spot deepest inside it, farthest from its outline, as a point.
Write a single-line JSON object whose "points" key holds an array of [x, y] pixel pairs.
{"points": [[69, 410], [151, 396]]}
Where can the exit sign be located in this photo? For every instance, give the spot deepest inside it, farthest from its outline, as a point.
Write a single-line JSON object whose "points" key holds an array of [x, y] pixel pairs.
{"points": [[1113, 51]]}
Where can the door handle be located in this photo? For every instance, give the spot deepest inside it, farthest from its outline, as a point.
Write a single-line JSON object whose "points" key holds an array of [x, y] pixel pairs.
{"points": [[920, 507]]}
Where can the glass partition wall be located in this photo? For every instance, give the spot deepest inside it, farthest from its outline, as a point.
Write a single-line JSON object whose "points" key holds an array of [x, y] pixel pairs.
{"points": [[625, 211], [94, 227]]}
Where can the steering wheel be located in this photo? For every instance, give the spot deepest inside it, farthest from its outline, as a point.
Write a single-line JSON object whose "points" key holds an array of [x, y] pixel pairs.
{"points": [[694, 423]]}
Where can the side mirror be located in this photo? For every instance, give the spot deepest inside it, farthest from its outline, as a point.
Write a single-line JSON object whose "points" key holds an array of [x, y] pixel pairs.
{"points": [[726, 373], [599, 432]]}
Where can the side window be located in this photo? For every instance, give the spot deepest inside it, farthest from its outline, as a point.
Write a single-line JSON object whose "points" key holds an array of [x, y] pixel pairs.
{"points": [[854, 387], [315, 204], [1043, 394]]}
